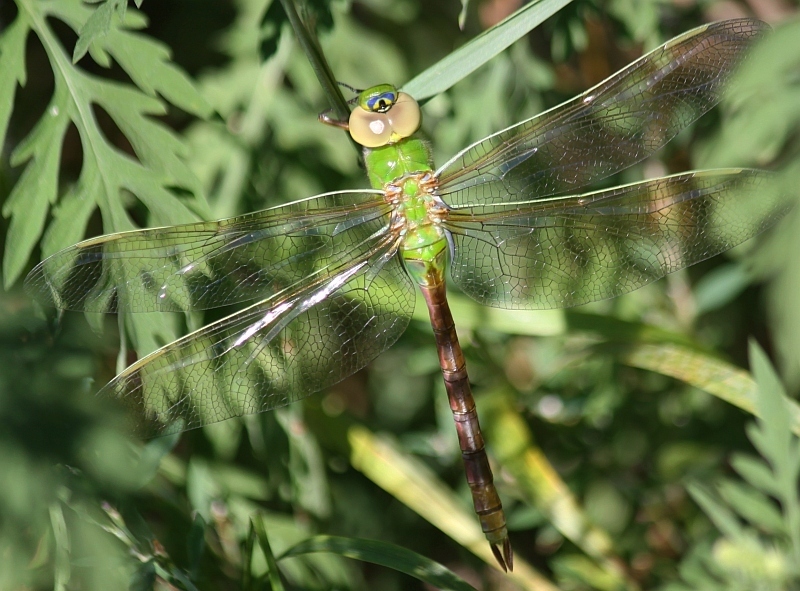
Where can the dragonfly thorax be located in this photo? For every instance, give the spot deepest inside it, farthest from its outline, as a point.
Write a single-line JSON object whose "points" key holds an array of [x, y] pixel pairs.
{"points": [[404, 171], [418, 215]]}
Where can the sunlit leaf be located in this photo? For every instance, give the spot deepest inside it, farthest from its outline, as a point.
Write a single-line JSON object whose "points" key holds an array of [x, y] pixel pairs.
{"points": [[412, 483], [384, 554], [542, 486], [106, 170], [480, 50], [708, 373]]}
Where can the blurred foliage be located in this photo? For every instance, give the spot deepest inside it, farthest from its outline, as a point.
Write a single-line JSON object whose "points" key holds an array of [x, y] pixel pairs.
{"points": [[760, 546], [623, 455]]}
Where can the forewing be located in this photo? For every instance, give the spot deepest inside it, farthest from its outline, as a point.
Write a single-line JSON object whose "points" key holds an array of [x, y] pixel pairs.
{"points": [[209, 264], [572, 250], [610, 127], [274, 352]]}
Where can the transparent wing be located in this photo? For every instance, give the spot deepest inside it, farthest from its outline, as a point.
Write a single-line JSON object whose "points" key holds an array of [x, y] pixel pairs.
{"points": [[209, 264], [610, 127], [568, 251], [276, 351]]}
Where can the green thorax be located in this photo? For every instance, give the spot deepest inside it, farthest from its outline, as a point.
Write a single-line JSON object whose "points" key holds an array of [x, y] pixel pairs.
{"points": [[403, 164], [393, 161]]}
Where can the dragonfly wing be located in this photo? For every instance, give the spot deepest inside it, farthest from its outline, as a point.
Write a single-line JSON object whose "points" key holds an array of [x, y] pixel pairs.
{"points": [[209, 264], [610, 127], [274, 352], [568, 251]]}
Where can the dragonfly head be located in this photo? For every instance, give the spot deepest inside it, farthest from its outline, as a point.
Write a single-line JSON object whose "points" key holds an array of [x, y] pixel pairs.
{"points": [[383, 116]]}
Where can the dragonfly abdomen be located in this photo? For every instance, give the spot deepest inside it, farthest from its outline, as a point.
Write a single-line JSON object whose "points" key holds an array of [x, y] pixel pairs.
{"points": [[485, 498]]}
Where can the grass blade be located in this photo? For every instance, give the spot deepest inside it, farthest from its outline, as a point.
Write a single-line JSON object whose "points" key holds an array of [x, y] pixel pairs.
{"points": [[468, 58], [389, 555]]}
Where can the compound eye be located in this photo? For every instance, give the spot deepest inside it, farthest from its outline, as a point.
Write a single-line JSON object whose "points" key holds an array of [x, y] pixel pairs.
{"points": [[383, 116], [370, 129], [405, 116]]}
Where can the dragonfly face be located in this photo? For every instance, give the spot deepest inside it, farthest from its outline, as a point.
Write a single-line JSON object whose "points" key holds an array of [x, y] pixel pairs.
{"points": [[325, 277], [384, 116]]}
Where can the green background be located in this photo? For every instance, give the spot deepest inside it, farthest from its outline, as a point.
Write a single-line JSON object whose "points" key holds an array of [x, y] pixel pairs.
{"points": [[615, 429]]}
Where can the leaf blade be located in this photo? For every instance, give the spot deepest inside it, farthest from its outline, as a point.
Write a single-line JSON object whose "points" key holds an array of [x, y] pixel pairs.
{"points": [[468, 58], [384, 554]]}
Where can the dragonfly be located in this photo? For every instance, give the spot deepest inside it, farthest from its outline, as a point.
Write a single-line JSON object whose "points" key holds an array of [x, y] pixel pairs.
{"points": [[329, 280]]}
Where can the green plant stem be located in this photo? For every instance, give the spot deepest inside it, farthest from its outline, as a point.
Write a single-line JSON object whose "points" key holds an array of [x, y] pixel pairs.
{"points": [[308, 41], [273, 575]]}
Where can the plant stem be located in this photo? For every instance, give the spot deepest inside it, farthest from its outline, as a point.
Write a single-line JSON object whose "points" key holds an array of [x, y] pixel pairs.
{"points": [[308, 41]]}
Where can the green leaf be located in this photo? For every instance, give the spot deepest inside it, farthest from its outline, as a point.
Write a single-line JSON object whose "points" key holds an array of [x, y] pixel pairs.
{"points": [[720, 286], [108, 175], [248, 580], [69, 217], [774, 437], [576, 571], [776, 442], [722, 517], [149, 64], [97, 25], [774, 414], [752, 505], [615, 330], [468, 58], [384, 554], [694, 570], [107, 172], [723, 380], [414, 484], [152, 453], [756, 472], [178, 575], [12, 68], [540, 484], [307, 466], [35, 191], [273, 574]]}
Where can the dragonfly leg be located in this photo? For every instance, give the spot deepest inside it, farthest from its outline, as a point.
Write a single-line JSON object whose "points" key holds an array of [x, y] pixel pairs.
{"points": [[325, 118]]}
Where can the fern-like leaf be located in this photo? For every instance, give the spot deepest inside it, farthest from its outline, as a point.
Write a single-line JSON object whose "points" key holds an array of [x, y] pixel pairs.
{"points": [[107, 172], [773, 438], [760, 543]]}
